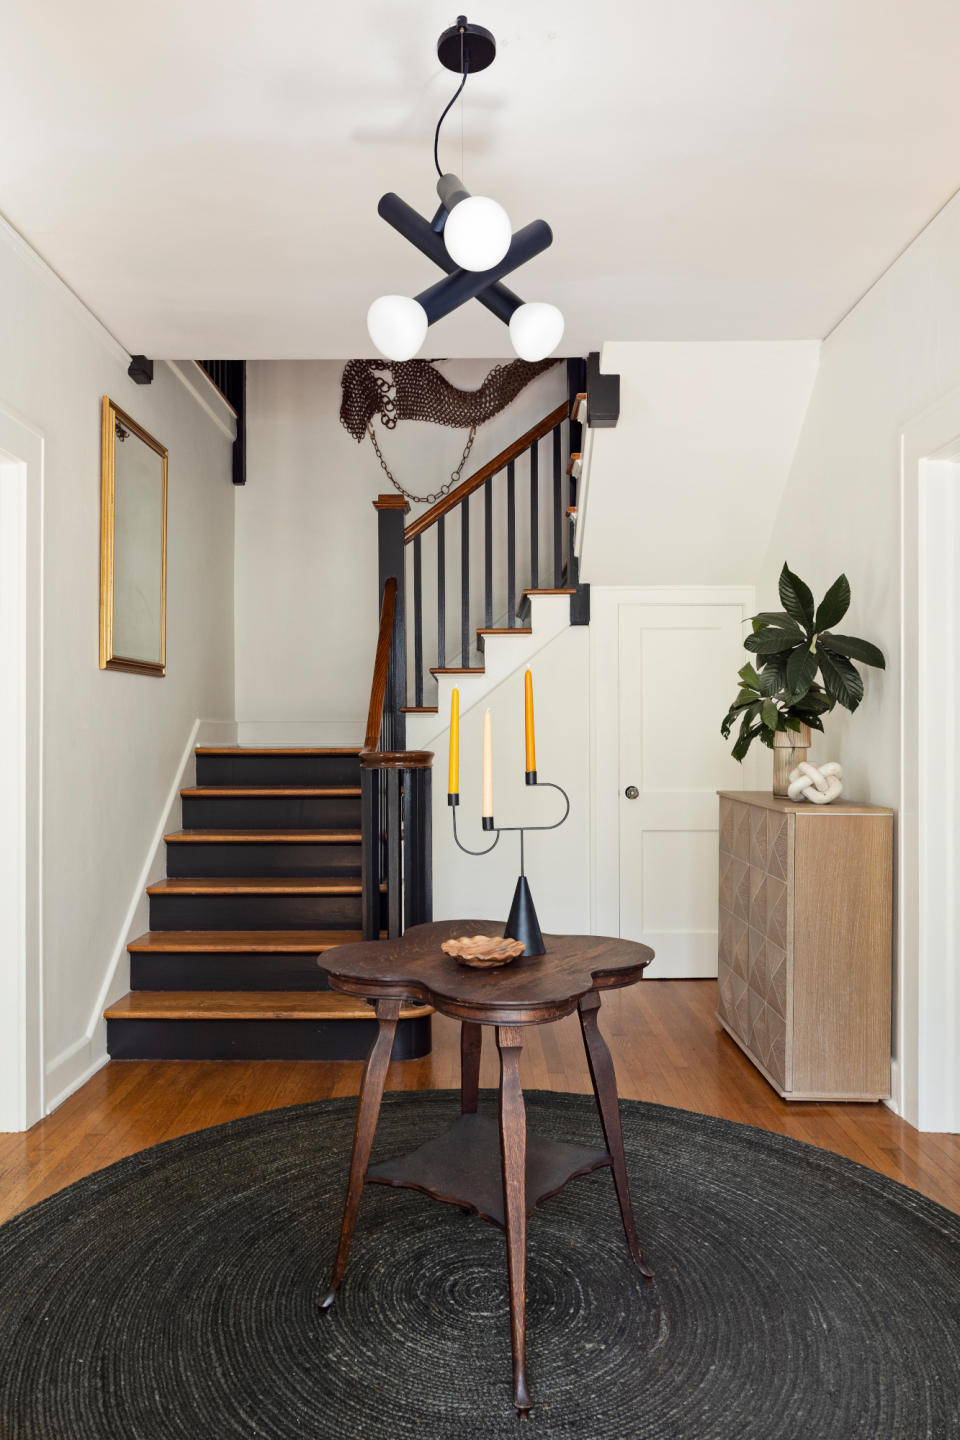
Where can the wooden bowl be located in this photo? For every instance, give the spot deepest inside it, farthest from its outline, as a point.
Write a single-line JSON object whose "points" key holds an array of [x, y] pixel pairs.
{"points": [[483, 952]]}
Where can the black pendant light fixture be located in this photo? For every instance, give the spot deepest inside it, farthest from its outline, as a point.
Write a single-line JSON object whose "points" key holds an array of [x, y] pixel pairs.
{"points": [[469, 238]]}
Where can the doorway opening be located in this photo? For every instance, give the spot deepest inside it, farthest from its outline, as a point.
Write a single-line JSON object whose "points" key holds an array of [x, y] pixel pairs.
{"points": [[927, 1035], [21, 1048]]}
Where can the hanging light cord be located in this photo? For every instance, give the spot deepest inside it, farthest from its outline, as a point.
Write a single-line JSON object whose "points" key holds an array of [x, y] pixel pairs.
{"points": [[436, 137]]}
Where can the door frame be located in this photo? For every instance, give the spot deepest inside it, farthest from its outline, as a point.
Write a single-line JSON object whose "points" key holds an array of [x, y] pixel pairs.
{"points": [[926, 1066], [21, 801], [605, 606]]}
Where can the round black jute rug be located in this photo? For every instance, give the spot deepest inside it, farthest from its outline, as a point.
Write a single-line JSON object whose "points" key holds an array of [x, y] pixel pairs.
{"points": [[798, 1295]]}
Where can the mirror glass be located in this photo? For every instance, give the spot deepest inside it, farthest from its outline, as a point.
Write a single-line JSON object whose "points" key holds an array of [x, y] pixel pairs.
{"points": [[133, 547]]}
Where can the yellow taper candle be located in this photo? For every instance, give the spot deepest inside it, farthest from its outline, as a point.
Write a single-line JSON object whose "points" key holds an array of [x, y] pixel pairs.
{"points": [[528, 721], [453, 783], [486, 808]]}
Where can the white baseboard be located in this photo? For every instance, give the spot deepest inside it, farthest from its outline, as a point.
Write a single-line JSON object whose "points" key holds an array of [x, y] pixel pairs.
{"points": [[75, 1064]]}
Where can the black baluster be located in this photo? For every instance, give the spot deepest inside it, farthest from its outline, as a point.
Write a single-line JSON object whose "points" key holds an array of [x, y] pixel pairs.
{"points": [[370, 825], [417, 626], [394, 895], [557, 509], [465, 581], [534, 518], [488, 553], [441, 595], [417, 848], [511, 548]]}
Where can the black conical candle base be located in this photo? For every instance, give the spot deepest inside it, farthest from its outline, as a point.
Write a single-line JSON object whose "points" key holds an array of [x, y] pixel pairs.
{"points": [[522, 923]]}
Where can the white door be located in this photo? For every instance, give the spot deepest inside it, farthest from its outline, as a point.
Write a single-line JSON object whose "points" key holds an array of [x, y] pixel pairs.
{"points": [[677, 675]]}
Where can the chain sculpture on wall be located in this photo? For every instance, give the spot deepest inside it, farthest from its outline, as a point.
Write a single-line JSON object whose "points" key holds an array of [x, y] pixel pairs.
{"points": [[416, 390]]}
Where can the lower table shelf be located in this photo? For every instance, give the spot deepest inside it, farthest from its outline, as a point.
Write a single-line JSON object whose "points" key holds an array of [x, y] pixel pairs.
{"points": [[462, 1167]]}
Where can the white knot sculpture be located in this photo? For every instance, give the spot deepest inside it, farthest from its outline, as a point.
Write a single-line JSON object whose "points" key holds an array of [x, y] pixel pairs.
{"points": [[817, 783]]}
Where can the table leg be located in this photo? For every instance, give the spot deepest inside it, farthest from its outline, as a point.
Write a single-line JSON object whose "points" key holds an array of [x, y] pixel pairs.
{"points": [[605, 1089], [471, 1044], [371, 1093], [513, 1151]]}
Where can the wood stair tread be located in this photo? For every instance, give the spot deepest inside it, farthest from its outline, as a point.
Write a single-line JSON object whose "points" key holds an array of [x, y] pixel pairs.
{"points": [[229, 942], [458, 670], [418, 709], [507, 630], [246, 1005], [216, 792], [277, 750], [255, 885], [561, 590], [265, 837]]}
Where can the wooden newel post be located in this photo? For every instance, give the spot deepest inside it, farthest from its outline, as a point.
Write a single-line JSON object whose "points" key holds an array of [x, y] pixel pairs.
{"points": [[391, 510]]}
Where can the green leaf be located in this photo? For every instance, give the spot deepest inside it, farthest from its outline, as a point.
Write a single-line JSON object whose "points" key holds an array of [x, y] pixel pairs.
{"points": [[745, 713], [771, 680], [772, 617], [812, 705], [841, 679], [770, 641], [792, 723], [834, 604], [770, 715], [749, 676], [744, 741], [801, 670], [796, 599], [855, 649], [766, 738], [778, 620]]}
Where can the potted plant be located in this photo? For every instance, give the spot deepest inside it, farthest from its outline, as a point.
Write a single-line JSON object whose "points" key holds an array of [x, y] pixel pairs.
{"points": [[781, 698]]}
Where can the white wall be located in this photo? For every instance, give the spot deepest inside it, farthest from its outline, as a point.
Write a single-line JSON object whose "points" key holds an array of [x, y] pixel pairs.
{"points": [[112, 742], [896, 353], [893, 356], [685, 488], [307, 605]]}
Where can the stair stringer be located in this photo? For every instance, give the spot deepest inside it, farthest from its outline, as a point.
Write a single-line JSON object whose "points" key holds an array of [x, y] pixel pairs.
{"points": [[503, 655]]}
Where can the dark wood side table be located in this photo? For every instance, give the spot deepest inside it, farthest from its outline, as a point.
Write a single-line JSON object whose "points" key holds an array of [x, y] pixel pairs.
{"points": [[500, 1177]]}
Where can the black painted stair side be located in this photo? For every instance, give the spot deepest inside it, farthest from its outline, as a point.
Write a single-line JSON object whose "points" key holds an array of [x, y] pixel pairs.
{"points": [[266, 904], [236, 765], [323, 808], [248, 858]]}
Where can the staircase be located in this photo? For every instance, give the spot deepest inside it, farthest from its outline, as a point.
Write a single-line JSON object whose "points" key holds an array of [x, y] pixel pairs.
{"points": [[264, 876], [286, 853]]}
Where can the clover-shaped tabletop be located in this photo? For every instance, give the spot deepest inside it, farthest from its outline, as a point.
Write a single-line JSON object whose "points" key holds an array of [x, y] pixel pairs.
{"points": [[530, 990]]}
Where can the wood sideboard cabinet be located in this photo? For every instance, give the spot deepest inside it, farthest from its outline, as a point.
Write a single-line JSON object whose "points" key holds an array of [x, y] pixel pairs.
{"points": [[805, 943]]}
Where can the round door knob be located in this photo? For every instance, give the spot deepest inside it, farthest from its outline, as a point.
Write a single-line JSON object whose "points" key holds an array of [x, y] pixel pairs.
{"points": [[631, 792]]}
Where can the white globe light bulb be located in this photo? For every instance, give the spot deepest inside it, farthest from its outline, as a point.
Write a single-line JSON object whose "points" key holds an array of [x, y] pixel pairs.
{"points": [[397, 326], [536, 330], [477, 233]]}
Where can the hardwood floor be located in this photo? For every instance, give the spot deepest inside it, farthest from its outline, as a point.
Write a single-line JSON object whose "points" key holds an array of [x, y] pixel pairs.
{"points": [[666, 1045]]}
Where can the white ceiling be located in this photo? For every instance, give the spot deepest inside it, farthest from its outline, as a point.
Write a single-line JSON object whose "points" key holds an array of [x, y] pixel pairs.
{"points": [[205, 173]]}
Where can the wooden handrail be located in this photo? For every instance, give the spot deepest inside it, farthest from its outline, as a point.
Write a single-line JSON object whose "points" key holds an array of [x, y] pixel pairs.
{"points": [[381, 666], [473, 482]]}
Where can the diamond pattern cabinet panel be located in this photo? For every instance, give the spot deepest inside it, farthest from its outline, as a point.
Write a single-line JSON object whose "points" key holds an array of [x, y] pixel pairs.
{"points": [[805, 943]]}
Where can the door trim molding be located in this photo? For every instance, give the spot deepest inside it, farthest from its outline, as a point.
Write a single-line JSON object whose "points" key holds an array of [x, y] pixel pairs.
{"points": [[605, 605], [21, 800], [926, 1068]]}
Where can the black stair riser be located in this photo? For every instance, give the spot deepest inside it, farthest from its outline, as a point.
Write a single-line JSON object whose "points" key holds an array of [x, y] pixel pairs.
{"points": [[260, 1039], [248, 970], [186, 859], [271, 812], [255, 912], [278, 770]]}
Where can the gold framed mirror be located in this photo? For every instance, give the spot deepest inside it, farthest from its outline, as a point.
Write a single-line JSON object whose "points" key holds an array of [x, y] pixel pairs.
{"points": [[133, 546]]}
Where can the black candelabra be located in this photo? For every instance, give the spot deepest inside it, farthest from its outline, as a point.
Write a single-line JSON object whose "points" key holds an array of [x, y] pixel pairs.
{"points": [[522, 922]]}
